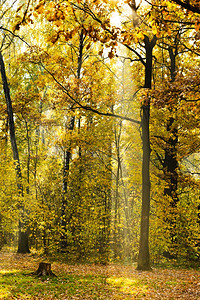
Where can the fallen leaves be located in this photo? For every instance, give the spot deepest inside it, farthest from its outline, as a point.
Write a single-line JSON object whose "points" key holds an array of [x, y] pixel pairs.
{"points": [[114, 282]]}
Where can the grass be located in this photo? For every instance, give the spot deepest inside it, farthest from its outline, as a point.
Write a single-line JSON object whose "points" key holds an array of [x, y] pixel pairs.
{"points": [[113, 282], [24, 286]]}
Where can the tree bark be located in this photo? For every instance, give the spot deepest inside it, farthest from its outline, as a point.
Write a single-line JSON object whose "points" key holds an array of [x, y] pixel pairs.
{"points": [[23, 236], [144, 256], [44, 269], [170, 165], [67, 156], [188, 6], [170, 161]]}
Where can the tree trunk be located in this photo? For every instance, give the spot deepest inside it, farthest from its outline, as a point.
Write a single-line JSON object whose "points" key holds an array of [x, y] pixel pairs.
{"points": [[22, 239], [23, 236], [144, 257], [117, 236], [44, 269], [67, 156], [104, 249], [170, 165], [171, 161]]}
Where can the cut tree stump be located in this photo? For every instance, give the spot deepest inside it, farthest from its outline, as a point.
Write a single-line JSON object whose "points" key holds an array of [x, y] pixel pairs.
{"points": [[44, 269]]}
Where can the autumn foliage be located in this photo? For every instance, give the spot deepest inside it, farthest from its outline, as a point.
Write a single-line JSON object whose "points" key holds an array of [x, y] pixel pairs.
{"points": [[77, 75]]}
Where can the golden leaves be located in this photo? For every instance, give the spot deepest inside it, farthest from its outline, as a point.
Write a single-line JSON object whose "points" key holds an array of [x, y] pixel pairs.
{"points": [[111, 54], [140, 35], [53, 38], [197, 25], [40, 8], [40, 4], [18, 22], [53, 12], [112, 282], [154, 29]]}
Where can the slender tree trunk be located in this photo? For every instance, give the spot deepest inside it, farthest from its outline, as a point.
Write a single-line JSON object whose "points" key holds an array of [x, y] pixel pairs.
{"points": [[117, 240], [39, 134], [170, 160], [170, 165], [144, 257], [67, 155], [67, 159], [28, 157], [11, 124], [104, 241], [23, 236]]}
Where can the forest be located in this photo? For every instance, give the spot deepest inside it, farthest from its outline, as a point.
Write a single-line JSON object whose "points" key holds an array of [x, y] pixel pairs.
{"points": [[100, 131]]}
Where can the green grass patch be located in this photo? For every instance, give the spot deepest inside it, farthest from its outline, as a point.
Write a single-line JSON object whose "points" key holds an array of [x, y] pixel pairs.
{"points": [[26, 286]]}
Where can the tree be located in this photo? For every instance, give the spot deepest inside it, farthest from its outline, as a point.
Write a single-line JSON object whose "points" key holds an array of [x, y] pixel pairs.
{"points": [[176, 44], [144, 258], [23, 235], [80, 89], [71, 63], [144, 262]]}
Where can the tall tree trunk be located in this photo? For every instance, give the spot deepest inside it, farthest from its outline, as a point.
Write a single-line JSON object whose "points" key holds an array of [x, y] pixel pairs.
{"points": [[104, 241], [23, 236], [170, 160], [144, 257], [170, 165], [117, 236], [67, 155], [67, 159], [28, 156]]}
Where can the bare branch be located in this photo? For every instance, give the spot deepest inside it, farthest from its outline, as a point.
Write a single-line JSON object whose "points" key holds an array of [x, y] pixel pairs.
{"points": [[15, 35]]}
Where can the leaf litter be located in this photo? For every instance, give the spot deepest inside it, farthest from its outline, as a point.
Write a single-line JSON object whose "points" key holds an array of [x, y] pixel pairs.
{"points": [[93, 281]]}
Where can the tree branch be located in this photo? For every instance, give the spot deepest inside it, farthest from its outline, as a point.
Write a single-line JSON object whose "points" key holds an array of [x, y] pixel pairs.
{"points": [[15, 35], [86, 107], [188, 6], [87, 10]]}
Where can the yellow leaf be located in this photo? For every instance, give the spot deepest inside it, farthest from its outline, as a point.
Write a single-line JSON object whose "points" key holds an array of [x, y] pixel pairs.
{"points": [[154, 29], [40, 9], [169, 31], [197, 26], [58, 23], [140, 35]]}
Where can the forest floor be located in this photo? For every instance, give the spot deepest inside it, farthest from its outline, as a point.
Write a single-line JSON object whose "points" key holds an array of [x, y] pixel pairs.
{"points": [[112, 282]]}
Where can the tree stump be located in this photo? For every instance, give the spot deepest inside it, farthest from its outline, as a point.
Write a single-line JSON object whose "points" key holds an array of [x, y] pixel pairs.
{"points": [[44, 269]]}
